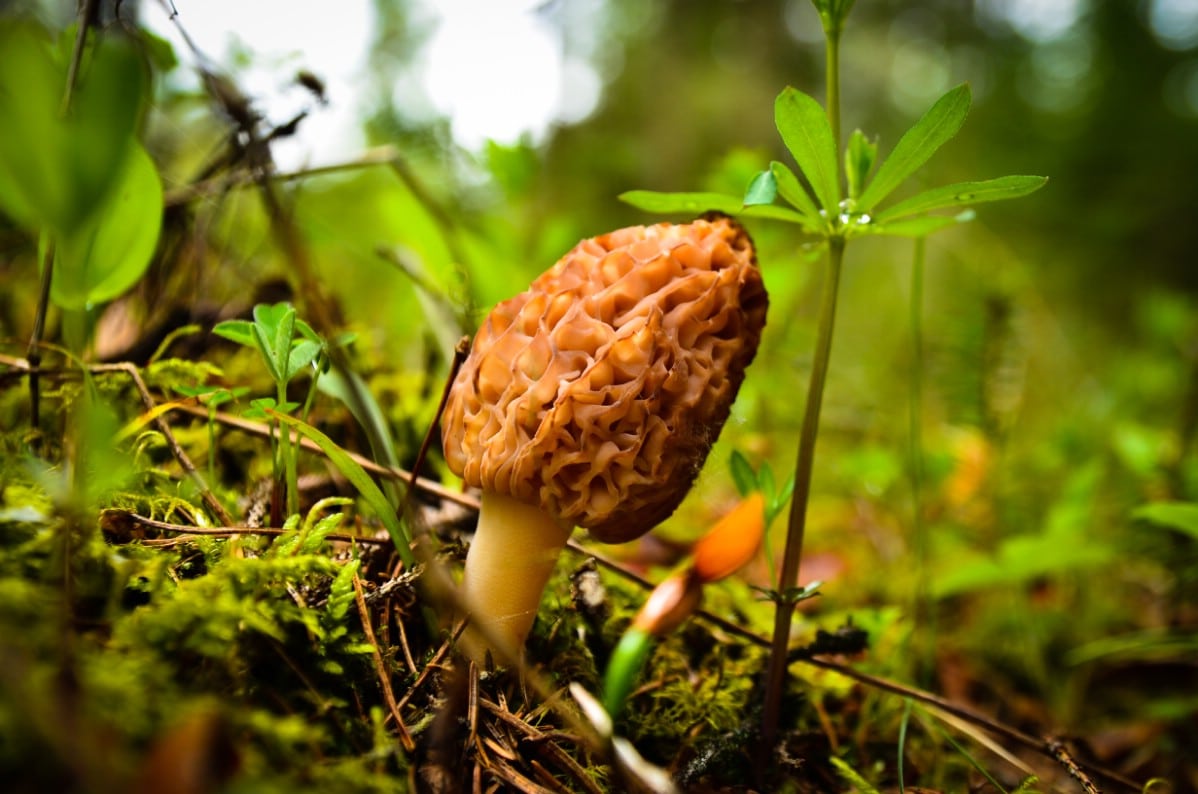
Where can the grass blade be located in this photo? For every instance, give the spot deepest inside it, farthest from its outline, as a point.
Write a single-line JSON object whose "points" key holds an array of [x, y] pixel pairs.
{"points": [[370, 491]]}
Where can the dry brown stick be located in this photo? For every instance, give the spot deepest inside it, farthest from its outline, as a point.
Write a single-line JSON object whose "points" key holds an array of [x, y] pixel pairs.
{"points": [[403, 644], [434, 662], [1061, 754], [543, 740], [519, 782], [547, 777], [380, 668]]}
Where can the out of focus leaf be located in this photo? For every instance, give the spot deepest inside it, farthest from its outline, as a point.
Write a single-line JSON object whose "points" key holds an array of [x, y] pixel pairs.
{"points": [[1181, 516], [108, 252], [742, 473], [239, 331], [56, 169]]}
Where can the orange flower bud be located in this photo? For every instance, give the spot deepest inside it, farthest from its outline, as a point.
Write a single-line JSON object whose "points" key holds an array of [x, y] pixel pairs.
{"points": [[732, 542]]}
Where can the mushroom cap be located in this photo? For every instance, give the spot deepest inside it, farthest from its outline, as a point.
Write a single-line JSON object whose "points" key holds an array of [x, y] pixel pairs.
{"points": [[598, 392]]}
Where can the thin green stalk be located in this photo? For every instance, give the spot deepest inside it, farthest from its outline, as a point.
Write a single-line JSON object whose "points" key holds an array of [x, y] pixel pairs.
{"points": [[211, 444], [289, 462], [902, 745], [924, 609], [804, 465], [832, 83], [775, 685]]}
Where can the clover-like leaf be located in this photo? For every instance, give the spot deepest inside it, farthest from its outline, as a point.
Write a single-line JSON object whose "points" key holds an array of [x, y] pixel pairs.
{"points": [[266, 348], [918, 144], [805, 130], [303, 353]]}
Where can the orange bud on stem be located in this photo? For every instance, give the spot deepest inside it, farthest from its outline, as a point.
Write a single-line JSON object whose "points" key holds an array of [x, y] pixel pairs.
{"points": [[732, 542]]}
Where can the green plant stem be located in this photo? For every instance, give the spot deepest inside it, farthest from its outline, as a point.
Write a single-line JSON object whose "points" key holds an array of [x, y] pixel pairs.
{"points": [[924, 610], [211, 444], [804, 465], [288, 459], [832, 83]]}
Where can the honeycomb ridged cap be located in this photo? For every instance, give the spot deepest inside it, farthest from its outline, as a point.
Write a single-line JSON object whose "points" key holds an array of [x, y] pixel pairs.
{"points": [[598, 392]]}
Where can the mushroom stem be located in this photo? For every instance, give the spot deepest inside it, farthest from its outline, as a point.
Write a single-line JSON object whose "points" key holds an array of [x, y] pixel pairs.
{"points": [[510, 560]]}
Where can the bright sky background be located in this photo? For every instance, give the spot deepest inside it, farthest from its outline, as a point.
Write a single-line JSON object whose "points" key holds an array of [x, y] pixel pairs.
{"points": [[498, 70], [493, 67]]}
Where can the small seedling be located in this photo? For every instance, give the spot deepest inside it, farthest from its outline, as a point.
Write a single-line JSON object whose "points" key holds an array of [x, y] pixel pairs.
{"points": [[273, 333]]}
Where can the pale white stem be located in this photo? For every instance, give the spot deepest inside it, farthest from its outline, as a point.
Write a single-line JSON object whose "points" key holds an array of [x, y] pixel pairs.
{"points": [[510, 560]]}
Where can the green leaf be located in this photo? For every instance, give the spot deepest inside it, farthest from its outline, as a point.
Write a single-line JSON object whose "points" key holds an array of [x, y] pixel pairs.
{"points": [[790, 189], [239, 331], [284, 334], [370, 492], [690, 203], [742, 473], [266, 349], [699, 203], [762, 190], [109, 252], [918, 144], [624, 668], [806, 132], [772, 510], [56, 169], [1180, 516], [963, 193], [852, 776], [302, 354], [859, 158], [917, 227], [775, 213]]}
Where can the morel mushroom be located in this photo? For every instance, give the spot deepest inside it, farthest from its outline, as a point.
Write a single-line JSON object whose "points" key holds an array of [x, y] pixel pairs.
{"points": [[592, 400]]}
